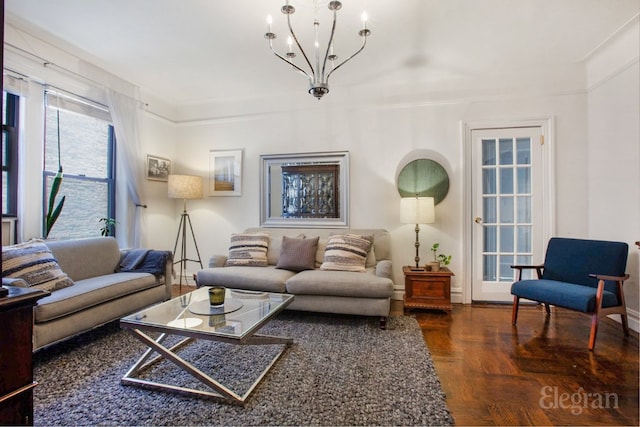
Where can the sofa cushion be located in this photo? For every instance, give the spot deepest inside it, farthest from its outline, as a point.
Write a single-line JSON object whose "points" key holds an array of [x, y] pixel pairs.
{"points": [[88, 293], [267, 279], [298, 254], [275, 246], [562, 294], [340, 283], [346, 252], [86, 258], [248, 249], [34, 263]]}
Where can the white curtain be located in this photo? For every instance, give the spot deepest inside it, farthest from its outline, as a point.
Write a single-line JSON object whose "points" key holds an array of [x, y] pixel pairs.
{"points": [[125, 113]]}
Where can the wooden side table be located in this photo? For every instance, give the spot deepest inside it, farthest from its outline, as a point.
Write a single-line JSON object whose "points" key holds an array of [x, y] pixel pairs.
{"points": [[16, 369], [427, 289]]}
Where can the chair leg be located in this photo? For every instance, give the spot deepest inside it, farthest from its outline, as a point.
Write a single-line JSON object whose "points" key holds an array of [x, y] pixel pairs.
{"points": [[514, 310], [594, 331], [547, 309], [625, 324]]}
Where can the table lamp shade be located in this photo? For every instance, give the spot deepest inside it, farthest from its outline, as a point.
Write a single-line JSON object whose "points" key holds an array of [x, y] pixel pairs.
{"points": [[417, 210], [185, 187]]}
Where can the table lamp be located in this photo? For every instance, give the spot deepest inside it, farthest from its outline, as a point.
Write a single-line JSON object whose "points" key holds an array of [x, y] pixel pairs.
{"points": [[417, 210]]}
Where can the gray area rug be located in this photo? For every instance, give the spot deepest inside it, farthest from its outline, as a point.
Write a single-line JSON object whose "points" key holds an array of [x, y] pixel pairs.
{"points": [[341, 370]]}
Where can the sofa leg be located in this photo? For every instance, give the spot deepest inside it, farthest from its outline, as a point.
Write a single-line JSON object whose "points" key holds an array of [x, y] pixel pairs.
{"points": [[547, 309], [514, 310], [383, 322]]}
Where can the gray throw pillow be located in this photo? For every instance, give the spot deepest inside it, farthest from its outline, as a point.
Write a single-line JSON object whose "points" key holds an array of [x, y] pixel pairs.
{"points": [[298, 254]]}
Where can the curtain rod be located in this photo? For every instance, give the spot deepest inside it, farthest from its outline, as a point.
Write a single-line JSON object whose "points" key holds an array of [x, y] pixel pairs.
{"points": [[46, 63]]}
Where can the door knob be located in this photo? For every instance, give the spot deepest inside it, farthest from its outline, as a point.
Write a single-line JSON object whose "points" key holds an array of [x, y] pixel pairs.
{"points": [[478, 220]]}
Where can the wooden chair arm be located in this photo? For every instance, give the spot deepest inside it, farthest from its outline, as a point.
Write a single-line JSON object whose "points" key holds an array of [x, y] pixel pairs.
{"points": [[519, 267], [611, 278], [528, 266]]}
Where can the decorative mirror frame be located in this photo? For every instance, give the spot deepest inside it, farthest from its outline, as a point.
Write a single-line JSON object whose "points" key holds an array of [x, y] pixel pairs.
{"points": [[271, 177]]}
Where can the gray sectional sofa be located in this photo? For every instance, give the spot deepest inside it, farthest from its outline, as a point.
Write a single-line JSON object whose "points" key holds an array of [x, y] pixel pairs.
{"points": [[99, 294], [343, 292]]}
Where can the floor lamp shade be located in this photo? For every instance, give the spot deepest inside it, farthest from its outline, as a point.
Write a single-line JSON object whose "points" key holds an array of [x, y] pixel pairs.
{"points": [[185, 187], [417, 210]]}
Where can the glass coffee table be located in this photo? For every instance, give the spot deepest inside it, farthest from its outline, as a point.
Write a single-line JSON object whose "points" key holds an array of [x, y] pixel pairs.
{"points": [[190, 316]]}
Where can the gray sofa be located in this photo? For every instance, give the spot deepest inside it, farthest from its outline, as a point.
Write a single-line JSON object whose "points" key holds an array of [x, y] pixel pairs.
{"points": [[341, 292], [99, 294]]}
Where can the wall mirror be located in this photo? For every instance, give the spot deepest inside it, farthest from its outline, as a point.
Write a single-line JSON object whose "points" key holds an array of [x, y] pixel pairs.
{"points": [[304, 190], [424, 178]]}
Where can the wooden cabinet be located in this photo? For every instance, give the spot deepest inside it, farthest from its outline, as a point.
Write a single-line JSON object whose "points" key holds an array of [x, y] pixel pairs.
{"points": [[427, 289], [16, 348]]}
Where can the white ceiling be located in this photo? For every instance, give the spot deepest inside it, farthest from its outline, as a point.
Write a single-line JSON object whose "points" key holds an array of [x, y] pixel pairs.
{"points": [[193, 51]]}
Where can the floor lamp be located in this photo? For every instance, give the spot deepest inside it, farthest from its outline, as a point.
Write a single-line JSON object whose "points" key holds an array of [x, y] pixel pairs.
{"points": [[185, 187], [417, 210]]}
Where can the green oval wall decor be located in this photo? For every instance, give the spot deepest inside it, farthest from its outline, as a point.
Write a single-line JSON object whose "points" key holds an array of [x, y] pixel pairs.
{"points": [[424, 177]]}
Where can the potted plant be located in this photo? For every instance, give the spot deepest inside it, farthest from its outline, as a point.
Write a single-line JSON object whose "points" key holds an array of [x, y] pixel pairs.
{"points": [[107, 228], [439, 260]]}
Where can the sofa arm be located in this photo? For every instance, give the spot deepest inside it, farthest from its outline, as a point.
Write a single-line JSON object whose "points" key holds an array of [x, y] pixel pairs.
{"points": [[14, 281], [383, 269], [217, 261]]}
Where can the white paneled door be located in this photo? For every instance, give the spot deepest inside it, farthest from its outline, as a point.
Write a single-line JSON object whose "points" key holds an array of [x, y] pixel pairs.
{"points": [[507, 207]]}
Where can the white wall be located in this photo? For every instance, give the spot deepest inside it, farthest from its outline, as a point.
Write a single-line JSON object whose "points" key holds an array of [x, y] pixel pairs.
{"points": [[614, 150], [379, 138], [596, 124]]}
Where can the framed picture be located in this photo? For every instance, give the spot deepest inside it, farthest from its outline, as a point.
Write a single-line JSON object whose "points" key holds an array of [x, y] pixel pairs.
{"points": [[225, 173], [158, 168]]}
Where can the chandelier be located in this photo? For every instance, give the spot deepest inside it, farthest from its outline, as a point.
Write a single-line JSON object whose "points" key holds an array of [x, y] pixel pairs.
{"points": [[318, 74]]}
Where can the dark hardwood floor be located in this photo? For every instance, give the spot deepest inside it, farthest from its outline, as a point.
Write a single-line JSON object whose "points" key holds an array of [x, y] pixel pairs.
{"points": [[540, 373]]}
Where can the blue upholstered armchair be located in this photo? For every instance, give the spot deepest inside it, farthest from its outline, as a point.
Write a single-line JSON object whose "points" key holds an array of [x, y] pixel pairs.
{"points": [[581, 275]]}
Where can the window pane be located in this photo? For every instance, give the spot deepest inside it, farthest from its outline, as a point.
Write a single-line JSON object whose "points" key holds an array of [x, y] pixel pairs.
{"points": [[506, 239], [83, 144], [524, 239], [490, 270], [490, 239], [488, 152], [524, 180], [506, 209], [488, 181], [524, 209], [85, 203], [506, 272], [523, 148], [489, 210], [506, 180], [506, 152]]}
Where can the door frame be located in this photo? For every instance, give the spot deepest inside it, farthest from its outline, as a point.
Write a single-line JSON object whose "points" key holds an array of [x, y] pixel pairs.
{"points": [[548, 185]]}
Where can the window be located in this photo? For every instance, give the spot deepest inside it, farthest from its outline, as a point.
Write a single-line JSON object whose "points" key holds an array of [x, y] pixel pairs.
{"points": [[10, 125], [80, 138]]}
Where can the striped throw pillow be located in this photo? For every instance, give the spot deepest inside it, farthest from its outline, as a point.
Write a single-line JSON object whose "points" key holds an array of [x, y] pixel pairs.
{"points": [[248, 249], [34, 263], [346, 252]]}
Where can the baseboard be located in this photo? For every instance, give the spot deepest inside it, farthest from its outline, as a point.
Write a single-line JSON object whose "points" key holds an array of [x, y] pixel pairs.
{"points": [[633, 318]]}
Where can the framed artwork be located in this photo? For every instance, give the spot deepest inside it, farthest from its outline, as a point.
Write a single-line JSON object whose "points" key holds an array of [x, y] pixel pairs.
{"points": [[158, 168], [225, 173], [309, 190]]}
